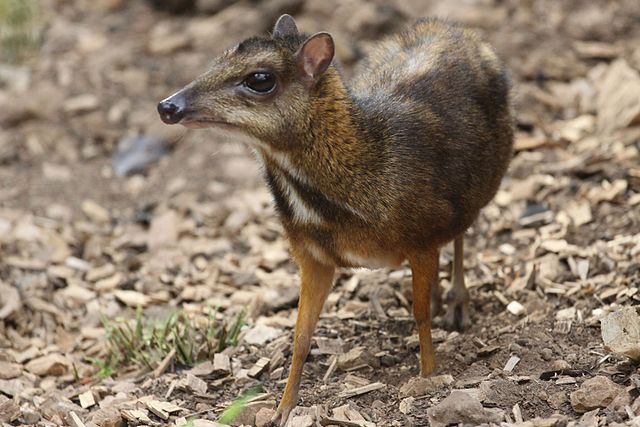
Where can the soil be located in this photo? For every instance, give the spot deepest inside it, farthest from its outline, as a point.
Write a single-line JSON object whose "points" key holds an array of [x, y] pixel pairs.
{"points": [[570, 199]]}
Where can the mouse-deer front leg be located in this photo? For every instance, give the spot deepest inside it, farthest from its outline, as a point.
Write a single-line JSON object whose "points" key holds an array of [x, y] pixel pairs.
{"points": [[424, 267], [316, 280]]}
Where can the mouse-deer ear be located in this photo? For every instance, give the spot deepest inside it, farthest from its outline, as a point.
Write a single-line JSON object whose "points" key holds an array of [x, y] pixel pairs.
{"points": [[285, 26], [314, 57]]}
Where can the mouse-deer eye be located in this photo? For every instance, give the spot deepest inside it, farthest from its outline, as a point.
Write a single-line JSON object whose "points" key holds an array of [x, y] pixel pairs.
{"points": [[261, 82]]}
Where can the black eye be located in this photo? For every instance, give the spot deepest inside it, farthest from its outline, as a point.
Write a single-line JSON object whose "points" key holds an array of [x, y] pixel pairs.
{"points": [[261, 82]]}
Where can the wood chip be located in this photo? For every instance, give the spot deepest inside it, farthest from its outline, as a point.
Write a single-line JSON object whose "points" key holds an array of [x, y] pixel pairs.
{"points": [[10, 301], [95, 212], [511, 363], [99, 273], [517, 413], [564, 380], [163, 409], [331, 369], [361, 390], [132, 298], [87, 399], [259, 367], [330, 346], [75, 420], [221, 364], [191, 382], [164, 364], [136, 416]]}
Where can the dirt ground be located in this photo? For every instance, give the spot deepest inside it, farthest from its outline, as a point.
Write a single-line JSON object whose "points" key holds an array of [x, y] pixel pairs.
{"points": [[557, 249]]}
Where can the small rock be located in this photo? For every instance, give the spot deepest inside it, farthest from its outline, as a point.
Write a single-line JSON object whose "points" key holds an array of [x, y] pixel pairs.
{"points": [[193, 383], [406, 405], [263, 416], [163, 230], [260, 334], [621, 332], [560, 365], [107, 417], [81, 104], [618, 95], [557, 399], [247, 415], [29, 416], [597, 392], [55, 172], [132, 298], [221, 364], [589, 419], [459, 407], [301, 421], [419, 386], [556, 420], [52, 364], [95, 212], [134, 155], [515, 308], [10, 301], [356, 357], [9, 370], [9, 410], [101, 272]]}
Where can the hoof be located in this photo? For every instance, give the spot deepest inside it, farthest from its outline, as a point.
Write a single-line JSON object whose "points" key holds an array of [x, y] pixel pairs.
{"points": [[457, 317]]}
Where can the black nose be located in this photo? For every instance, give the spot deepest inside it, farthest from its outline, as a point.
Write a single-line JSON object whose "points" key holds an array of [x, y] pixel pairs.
{"points": [[172, 109]]}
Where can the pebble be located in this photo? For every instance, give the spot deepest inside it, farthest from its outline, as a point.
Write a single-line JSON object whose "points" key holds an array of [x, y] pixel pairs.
{"points": [[52, 364], [260, 334], [617, 97], [597, 392], [460, 408], [247, 415], [9, 370], [136, 154], [356, 357], [263, 416], [515, 308], [419, 386], [621, 332], [95, 212], [560, 365]]}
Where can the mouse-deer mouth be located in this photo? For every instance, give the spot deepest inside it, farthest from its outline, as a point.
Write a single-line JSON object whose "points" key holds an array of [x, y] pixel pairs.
{"points": [[202, 123]]}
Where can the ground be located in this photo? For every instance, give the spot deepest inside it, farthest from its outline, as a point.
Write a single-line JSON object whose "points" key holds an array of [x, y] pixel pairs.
{"points": [[81, 246]]}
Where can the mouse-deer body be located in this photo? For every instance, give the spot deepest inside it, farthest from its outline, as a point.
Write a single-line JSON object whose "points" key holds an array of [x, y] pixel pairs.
{"points": [[386, 169]]}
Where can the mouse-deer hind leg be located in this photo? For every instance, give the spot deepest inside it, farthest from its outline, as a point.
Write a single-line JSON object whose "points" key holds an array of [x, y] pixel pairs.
{"points": [[457, 315], [436, 294], [316, 280], [424, 267]]}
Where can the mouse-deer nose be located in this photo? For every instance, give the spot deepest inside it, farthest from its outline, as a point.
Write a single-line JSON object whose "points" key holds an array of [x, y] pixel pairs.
{"points": [[172, 109]]}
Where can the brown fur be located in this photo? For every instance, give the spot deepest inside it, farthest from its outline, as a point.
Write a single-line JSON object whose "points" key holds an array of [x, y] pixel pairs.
{"points": [[385, 169]]}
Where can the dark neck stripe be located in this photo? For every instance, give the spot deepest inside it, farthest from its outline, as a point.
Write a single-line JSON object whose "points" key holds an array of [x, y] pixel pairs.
{"points": [[329, 210], [317, 201], [282, 203]]}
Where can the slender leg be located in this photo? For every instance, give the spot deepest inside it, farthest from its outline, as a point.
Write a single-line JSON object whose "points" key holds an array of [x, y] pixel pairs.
{"points": [[424, 267], [316, 280], [436, 294], [457, 316]]}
